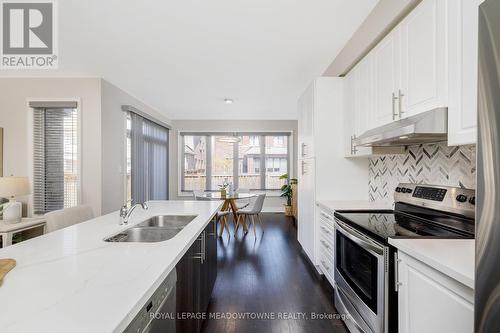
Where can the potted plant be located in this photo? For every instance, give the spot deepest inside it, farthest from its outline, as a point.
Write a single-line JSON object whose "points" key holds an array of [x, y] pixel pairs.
{"points": [[286, 192]]}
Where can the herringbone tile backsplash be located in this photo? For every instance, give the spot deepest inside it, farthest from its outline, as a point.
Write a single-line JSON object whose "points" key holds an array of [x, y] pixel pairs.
{"points": [[435, 164]]}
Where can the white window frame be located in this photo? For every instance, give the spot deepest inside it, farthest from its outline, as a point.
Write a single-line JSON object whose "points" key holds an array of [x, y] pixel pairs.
{"points": [[180, 154], [30, 157]]}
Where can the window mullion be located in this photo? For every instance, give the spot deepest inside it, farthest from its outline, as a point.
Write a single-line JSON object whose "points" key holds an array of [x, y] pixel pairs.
{"points": [[236, 164], [262, 141], [208, 180]]}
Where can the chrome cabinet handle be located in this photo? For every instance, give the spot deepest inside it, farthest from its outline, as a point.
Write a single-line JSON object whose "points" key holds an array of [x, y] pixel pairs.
{"points": [[325, 216], [304, 170], [325, 230], [202, 254], [400, 100], [394, 114], [397, 284], [325, 244], [326, 266], [303, 149], [354, 150]]}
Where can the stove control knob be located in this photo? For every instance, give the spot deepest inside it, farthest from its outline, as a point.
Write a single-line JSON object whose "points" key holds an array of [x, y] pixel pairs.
{"points": [[398, 189], [472, 200], [461, 198], [403, 189], [408, 190]]}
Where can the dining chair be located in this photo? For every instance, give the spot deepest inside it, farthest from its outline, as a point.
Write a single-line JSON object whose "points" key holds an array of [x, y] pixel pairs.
{"points": [[66, 217], [220, 216], [244, 203], [251, 213]]}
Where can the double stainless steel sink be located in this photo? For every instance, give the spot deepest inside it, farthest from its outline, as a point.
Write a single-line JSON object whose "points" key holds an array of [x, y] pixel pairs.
{"points": [[155, 229]]}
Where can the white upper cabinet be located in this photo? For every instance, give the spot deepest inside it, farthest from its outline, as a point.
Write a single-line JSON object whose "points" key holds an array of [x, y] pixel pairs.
{"points": [[423, 84], [358, 107], [363, 96], [386, 62], [428, 61], [306, 123], [463, 60]]}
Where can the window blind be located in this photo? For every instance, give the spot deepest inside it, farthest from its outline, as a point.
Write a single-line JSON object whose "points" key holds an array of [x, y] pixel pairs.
{"points": [[55, 159], [149, 159]]}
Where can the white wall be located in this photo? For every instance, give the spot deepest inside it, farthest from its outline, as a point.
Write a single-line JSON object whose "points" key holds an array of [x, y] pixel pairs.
{"points": [[113, 143], [271, 203], [15, 93]]}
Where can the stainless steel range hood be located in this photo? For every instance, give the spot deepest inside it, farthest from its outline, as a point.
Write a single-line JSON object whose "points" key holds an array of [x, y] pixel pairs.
{"points": [[427, 127]]}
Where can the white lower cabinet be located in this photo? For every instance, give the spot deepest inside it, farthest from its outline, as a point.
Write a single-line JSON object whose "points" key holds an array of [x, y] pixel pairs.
{"points": [[430, 301], [326, 244]]}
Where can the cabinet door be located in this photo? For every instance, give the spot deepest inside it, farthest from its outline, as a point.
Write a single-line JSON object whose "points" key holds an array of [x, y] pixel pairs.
{"points": [[423, 59], [463, 62], [429, 301], [349, 110], [188, 289], [386, 71], [358, 107], [210, 263], [306, 203], [306, 123], [363, 92]]}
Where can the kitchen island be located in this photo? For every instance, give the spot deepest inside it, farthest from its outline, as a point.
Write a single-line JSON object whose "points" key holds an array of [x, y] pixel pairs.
{"points": [[71, 280]]}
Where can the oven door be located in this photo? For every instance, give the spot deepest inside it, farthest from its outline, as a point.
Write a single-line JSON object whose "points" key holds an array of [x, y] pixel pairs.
{"points": [[361, 277]]}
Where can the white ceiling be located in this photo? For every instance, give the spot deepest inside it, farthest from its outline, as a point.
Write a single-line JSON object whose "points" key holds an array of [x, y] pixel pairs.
{"points": [[184, 57]]}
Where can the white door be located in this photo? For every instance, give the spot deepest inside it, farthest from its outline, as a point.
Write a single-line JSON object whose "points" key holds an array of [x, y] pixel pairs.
{"points": [[423, 59], [431, 302], [306, 229], [386, 72], [306, 123]]}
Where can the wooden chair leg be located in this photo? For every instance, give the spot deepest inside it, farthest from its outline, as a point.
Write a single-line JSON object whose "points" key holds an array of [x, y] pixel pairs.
{"points": [[253, 223], [245, 224], [227, 225], [222, 224], [237, 224]]}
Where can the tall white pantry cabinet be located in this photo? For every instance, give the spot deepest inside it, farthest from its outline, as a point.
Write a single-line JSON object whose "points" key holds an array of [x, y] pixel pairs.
{"points": [[323, 172]]}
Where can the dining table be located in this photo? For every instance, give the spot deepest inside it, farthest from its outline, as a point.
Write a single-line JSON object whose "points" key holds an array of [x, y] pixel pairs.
{"points": [[229, 200]]}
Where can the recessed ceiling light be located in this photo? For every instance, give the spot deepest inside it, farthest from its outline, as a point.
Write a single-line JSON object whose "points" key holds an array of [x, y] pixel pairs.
{"points": [[228, 101], [404, 137]]}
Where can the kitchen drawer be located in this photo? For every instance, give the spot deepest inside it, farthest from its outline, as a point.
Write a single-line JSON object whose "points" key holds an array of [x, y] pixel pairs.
{"points": [[326, 218], [327, 266], [326, 247], [326, 231]]}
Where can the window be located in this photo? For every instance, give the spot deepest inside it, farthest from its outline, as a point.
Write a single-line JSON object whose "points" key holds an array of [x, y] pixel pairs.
{"points": [[255, 162], [222, 163], [147, 159], [195, 162], [276, 160], [55, 158], [253, 140]]}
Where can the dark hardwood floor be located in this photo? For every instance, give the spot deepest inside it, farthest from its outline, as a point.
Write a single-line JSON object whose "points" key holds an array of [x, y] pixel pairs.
{"points": [[268, 276]]}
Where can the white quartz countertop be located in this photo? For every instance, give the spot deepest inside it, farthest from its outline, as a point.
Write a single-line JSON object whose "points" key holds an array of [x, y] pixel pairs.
{"points": [[453, 257], [72, 281], [334, 205]]}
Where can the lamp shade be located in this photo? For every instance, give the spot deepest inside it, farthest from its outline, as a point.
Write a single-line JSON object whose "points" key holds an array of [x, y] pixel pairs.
{"points": [[14, 186]]}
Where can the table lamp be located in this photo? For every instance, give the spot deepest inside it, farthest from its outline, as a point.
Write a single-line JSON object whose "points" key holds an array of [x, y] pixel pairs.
{"points": [[10, 187]]}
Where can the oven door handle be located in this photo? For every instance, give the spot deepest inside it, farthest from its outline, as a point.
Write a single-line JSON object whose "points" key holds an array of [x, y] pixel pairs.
{"points": [[359, 239]]}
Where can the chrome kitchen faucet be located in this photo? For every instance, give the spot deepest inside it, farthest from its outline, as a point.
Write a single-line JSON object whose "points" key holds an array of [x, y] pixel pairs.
{"points": [[125, 212]]}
